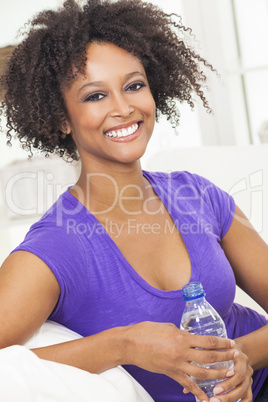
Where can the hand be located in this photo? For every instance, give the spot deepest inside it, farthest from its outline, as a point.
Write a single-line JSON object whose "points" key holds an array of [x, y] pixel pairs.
{"points": [[163, 348], [239, 384]]}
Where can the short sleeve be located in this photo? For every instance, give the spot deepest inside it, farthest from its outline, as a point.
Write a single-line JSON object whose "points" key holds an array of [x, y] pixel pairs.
{"points": [[221, 203], [65, 255]]}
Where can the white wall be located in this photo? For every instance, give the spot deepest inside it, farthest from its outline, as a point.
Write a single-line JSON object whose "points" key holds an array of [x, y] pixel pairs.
{"points": [[233, 37], [15, 13]]}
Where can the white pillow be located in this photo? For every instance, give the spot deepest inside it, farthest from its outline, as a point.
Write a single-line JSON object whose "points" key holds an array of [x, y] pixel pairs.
{"points": [[26, 378], [49, 334]]}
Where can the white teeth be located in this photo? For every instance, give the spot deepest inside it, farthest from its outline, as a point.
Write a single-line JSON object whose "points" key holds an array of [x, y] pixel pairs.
{"points": [[124, 132]]}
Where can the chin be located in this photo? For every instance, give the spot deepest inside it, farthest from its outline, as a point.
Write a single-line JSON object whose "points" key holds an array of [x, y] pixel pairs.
{"points": [[129, 158]]}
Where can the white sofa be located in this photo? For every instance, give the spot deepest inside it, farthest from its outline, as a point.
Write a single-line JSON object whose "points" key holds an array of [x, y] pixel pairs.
{"points": [[26, 378]]}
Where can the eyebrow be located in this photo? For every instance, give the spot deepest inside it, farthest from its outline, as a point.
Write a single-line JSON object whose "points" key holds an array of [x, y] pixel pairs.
{"points": [[101, 83]]}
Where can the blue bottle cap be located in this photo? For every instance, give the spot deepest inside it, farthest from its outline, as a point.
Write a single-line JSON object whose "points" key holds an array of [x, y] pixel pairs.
{"points": [[193, 291]]}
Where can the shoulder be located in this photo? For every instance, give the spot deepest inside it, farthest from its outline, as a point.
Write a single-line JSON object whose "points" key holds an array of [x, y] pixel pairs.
{"points": [[54, 240], [57, 242], [190, 192], [178, 175], [181, 180], [59, 222]]}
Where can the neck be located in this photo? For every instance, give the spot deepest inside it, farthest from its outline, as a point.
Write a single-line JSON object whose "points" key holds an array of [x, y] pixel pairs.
{"points": [[114, 192]]}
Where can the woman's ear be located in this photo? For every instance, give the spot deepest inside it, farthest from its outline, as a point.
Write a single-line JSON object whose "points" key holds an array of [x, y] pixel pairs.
{"points": [[65, 129]]}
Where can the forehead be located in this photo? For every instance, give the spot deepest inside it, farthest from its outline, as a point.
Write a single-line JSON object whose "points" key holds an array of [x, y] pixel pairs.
{"points": [[105, 60]]}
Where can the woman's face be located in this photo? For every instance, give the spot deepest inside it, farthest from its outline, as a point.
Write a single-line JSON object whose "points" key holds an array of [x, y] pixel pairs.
{"points": [[111, 111]]}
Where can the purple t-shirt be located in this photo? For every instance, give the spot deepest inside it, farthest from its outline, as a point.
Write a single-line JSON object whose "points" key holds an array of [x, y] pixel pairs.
{"points": [[101, 290]]}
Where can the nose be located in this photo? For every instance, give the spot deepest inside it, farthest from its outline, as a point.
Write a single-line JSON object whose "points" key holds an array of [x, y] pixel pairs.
{"points": [[121, 106]]}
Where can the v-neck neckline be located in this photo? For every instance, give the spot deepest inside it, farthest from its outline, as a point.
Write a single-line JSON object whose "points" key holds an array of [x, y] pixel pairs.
{"points": [[192, 252]]}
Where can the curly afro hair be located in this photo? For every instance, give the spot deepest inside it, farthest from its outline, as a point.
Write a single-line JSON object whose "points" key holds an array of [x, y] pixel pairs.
{"points": [[54, 53]]}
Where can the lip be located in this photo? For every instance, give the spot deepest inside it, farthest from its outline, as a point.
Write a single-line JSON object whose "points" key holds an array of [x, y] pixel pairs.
{"points": [[128, 138]]}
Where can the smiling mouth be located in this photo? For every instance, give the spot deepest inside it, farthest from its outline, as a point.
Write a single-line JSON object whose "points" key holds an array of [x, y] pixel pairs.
{"points": [[124, 132]]}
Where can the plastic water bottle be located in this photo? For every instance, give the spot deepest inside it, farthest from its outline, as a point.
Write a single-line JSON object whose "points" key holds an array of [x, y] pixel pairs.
{"points": [[200, 318]]}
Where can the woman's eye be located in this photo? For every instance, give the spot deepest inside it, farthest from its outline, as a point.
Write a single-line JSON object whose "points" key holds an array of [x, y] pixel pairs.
{"points": [[136, 86], [94, 97]]}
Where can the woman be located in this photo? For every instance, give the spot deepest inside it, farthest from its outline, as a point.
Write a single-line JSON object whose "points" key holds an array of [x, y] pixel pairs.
{"points": [[89, 83]]}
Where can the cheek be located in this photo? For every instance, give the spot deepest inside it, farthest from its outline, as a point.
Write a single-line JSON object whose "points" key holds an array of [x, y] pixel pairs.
{"points": [[85, 121], [152, 104], [149, 106], [151, 114], [153, 109]]}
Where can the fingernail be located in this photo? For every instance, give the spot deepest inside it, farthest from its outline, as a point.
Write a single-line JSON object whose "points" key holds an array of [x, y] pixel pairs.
{"points": [[215, 400], [236, 354], [230, 373], [218, 390], [232, 343]]}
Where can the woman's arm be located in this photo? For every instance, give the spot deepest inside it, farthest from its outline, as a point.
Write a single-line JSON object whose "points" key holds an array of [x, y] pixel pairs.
{"points": [[29, 292], [248, 256], [255, 346]]}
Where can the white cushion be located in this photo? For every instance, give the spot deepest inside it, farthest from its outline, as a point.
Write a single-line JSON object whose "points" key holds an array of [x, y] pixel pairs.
{"points": [[26, 378]]}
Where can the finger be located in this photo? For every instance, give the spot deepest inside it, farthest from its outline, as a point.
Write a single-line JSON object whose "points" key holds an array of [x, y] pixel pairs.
{"points": [[233, 395], [202, 373], [234, 391], [240, 379], [210, 342], [226, 386], [212, 356], [190, 386]]}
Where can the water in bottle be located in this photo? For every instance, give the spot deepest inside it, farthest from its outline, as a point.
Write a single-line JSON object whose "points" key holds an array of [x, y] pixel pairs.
{"points": [[200, 318]]}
